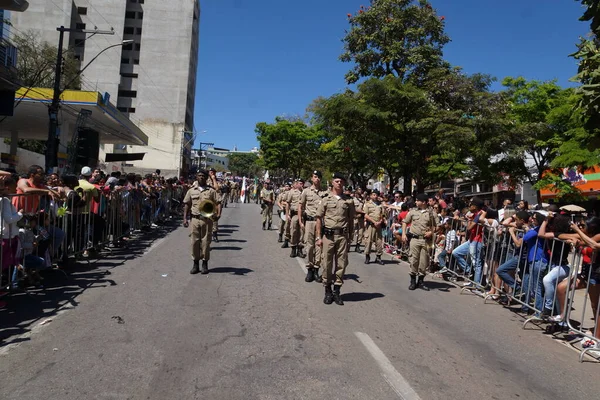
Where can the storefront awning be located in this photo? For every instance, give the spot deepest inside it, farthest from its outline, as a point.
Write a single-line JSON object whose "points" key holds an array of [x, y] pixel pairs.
{"points": [[115, 157]]}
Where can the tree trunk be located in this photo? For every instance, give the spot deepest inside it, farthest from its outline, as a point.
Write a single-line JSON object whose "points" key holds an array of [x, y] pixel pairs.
{"points": [[407, 184]]}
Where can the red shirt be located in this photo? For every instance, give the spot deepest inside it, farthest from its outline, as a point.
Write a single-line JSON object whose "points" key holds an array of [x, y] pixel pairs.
{"points": [[29, 203]]}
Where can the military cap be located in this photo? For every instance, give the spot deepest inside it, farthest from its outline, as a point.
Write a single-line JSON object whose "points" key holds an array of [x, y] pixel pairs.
{"points": [[300, 180], [318, 173], [338, 175], [289, 183], [376, 192], [422, 197], [202, 171]]}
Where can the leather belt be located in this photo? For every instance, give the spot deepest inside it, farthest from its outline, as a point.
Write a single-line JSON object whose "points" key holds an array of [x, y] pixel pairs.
{"points": [[413, 236], [198, 216], [329, 232], [293, 213], [309, 218]]}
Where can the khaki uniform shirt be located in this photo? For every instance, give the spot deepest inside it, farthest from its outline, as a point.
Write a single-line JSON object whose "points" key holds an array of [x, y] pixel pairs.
{"points": [[310, 200], [293, 198], [196, 196], [358, 205], [421, 221], [373, 210], [267, 194], [337, 211], [281, 197]]}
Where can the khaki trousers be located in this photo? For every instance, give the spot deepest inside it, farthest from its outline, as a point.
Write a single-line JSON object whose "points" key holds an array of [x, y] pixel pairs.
{"points": [[201, 236], [295, 231], [281, 227], [418, 257], [267, 213], [288, 224], [374, 235], [359, 226], [313, 251], [215, 224], [335, 252]]}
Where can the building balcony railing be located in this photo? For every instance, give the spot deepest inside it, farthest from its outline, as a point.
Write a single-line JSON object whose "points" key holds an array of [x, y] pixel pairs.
{"points": [[8, 54]]}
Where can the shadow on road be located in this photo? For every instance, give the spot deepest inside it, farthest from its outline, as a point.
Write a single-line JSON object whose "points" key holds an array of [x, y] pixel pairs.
{"points": [[233, 241], [225, 247], [232, 270], [353, 277], [23, 310], [360, 296], [228, 226], [441, 286]]}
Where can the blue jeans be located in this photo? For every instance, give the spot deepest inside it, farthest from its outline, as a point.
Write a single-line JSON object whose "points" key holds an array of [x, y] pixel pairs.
{"points": [[504, 271], [442, 258], [29, 262], [536, 275], [556, 274], [473, 249]]}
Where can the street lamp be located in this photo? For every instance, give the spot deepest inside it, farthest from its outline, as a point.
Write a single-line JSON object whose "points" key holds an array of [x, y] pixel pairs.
{"points": [[51, 160]]}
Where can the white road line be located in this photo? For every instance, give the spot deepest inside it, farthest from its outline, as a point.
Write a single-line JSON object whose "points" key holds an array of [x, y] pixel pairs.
{"points": [[301, 264], [391, 376]]}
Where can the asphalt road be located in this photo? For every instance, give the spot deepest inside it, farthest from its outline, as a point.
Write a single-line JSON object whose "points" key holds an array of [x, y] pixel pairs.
{"points": [[137, 325]]}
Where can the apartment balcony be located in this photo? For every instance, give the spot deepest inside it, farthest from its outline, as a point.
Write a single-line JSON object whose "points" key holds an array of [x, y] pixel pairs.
{"points": [[8, 65]]}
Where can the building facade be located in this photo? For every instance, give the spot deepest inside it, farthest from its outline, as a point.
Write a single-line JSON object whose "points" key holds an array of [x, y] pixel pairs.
{"points": [[152, 79]]}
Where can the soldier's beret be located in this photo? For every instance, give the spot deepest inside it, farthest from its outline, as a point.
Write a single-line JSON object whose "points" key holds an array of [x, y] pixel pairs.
{"points": [[338, 175], [318, 173], [422, 197], [300, 180], [376, 192], [202, 171], [289, 183]]}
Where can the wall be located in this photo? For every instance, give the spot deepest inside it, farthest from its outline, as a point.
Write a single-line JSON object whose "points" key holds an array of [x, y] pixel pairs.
{"points": [[26, 158]]}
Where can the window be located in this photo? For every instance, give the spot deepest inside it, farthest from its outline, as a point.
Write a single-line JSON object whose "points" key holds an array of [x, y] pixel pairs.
{"points": [[82, 10], [130, 14], [79, 25], [141, 1], [131, 109], [128, 75], [127, 93], [79, 42], [140, 15], [77, 57], [138, 31], [128, 46], [128, 30], [122, 109], [124, 60], [136, 61], [138, 47]]}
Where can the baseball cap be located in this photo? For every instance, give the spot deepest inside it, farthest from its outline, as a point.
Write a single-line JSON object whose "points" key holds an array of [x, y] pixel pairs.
{"points": [[86, 171]]}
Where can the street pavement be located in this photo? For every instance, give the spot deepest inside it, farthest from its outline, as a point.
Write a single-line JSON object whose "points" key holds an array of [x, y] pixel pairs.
{"points": [[137, 325]]}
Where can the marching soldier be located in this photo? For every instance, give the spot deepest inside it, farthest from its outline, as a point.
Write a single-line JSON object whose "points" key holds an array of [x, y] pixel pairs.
{"points": [[335, 220], [375, 217], [307, 211], [267, 197], [215, 185], [422, 228], [288, 222], [201, 226], [292, 201], [359, 221], [282, 194]]}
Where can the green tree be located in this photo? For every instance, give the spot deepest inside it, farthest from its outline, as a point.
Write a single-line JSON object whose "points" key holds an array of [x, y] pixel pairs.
{"points": [[244, 164], [403, 38], [287, 145]]}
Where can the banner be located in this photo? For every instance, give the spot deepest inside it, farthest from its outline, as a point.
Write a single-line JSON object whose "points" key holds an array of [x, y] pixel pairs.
{"points": [[243, 192]]}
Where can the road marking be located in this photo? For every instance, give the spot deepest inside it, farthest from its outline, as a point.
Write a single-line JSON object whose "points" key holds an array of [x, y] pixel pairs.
{"points": [[391, 376], [301, 264]]}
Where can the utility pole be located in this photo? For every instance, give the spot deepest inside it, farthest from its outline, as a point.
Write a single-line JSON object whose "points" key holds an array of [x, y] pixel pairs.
{"points": [[52, 142]]}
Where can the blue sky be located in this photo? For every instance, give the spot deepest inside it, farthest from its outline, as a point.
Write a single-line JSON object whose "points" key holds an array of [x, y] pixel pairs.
{"points": [[264, 58]]}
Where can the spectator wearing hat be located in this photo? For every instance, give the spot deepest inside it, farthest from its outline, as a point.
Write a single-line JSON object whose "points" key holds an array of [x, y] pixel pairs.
{"points": [[335, 226], [422, 226], [281, 205], [375, 218], [293, 200], [201, 226], [307, 210]]}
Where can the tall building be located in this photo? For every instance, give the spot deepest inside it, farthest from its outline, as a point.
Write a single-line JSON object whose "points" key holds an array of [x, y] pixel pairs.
{"points": [[152, 79]]}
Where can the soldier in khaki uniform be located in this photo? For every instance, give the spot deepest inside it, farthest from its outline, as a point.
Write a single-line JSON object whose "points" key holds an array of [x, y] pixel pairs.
{"points": [[334, 233], [359, 221], [292, 201], [307, 210], [212, 182], [375, 217], [422, 228], [280, 204], [201, 226], [267, 198]]}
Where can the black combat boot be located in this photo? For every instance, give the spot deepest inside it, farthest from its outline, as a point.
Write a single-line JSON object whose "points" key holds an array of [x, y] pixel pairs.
{"points": [[294, 252], [367, 259], [310, 275], [378, 260], [196, 268], [421, 283], [336, 296], [357, 248], [215, 237], [204, 267], [300, 253], [328, 295], [280, 238], [264, 225], [318, 277], [285, 244], [269, 226], [413, 283]]}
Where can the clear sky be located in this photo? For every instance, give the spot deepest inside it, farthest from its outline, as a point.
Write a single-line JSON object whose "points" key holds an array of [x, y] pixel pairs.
{"points": [[264, 58]]}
